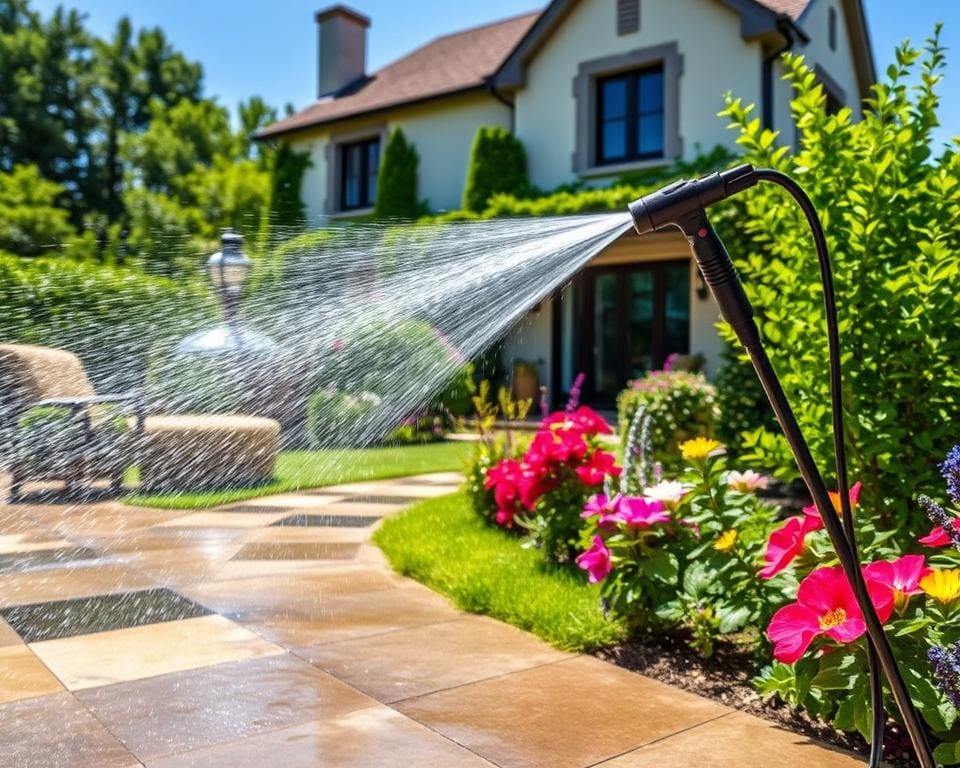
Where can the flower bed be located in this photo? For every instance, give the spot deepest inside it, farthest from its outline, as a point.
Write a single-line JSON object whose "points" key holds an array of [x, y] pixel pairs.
{"points": [[701, 553]]}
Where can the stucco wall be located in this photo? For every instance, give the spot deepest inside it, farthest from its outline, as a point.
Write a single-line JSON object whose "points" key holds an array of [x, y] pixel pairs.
{"points": [[441, 130], [715, 59]]}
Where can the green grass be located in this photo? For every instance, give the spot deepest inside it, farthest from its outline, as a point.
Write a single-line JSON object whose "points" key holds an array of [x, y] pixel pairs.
{"points": [[443, 544], [314, 469]]}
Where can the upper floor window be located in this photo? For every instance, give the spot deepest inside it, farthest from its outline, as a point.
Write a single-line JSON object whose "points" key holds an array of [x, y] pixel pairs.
{"points": [[630, 116], [628, 16], [359, 162], [832, 28]]}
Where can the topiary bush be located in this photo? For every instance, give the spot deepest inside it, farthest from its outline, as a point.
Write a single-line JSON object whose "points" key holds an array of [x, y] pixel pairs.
{"points": [[342, 419], [890, 203], [498, 163], [681, 406], [397, 179]]}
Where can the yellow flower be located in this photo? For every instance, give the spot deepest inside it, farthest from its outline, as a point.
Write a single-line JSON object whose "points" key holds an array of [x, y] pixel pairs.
{"points": [[942, 586], [699, 448], [725, 541]]}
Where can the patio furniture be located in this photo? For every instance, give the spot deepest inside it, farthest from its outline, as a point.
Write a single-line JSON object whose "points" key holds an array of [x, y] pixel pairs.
{"points": [[198, 452], [58, 427]]}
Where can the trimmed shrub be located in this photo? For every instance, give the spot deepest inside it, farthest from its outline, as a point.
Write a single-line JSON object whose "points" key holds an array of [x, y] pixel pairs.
{"points": [[113, 318], [681, 405], [343, 419], [397, 179], [498, 163], [286, 176]]}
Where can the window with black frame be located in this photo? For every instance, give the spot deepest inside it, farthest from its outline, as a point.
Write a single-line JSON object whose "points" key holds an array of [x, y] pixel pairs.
{"points": [[359, 162], [630, 116]]}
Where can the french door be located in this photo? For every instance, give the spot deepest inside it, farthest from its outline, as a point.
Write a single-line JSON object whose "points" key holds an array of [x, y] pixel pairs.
{"points": [[631, 318]]}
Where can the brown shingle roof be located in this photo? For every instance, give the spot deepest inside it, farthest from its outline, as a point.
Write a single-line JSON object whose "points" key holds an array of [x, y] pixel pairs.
{"points": [[450, 64], [447, 65]]}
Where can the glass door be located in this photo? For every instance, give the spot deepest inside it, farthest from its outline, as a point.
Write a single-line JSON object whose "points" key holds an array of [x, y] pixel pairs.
{"points": [[632, 317]]}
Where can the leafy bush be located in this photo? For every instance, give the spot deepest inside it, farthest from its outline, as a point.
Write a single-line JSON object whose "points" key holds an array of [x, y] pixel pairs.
{"points": [[891, 211], [498, 163], [49, 436], [397, 179], [288, 166], [337, 418], [31, 224], [681, 405], [111, 317]]}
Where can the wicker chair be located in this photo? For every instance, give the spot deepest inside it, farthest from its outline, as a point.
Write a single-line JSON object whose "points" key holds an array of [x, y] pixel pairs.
{"points": [[58, 427]]}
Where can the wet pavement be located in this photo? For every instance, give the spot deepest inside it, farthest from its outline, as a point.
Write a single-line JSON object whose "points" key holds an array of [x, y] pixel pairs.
{"points": [[272, 633]]}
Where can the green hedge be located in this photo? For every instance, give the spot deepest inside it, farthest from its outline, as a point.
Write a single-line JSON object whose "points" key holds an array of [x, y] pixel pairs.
{"points": [[113, 318], [397, 179], [498, 163]]}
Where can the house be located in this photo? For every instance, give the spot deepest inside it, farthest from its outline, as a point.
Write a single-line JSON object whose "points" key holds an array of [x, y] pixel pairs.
{"points": [[593, 89]]}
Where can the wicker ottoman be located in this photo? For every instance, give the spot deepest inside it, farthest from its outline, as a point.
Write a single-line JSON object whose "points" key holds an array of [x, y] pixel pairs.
{"points": [[202, 452]]}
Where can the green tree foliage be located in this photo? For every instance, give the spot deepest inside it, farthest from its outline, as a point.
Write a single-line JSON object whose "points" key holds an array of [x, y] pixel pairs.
{"points": [[891, 209], [397, 179], [498, 163], [30, 222], [287, 210]]}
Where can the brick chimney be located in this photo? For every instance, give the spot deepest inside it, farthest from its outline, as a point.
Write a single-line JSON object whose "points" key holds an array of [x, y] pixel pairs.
{"points": [[342, 38]]}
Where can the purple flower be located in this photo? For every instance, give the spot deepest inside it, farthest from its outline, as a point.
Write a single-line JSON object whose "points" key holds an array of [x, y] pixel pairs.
{"points": [[574, 401], [950, 469], [946, 530], [946, 670]]}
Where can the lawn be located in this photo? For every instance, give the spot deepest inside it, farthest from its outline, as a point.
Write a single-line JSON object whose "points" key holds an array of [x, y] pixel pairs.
{"points": [[443, 544], [314, 469]]}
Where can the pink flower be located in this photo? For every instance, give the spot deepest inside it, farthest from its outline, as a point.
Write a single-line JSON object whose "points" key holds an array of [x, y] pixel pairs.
{"points": [[825, 605], [786, 543], [598, 466], [901, 577], [607, 510], [854, 497], [938, 536], [505, 478], [596, 561], [643, 513], [747, 482]]}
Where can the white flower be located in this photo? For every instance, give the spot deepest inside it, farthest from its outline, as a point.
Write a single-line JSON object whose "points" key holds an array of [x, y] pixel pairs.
{"points": [[670, 492], [748, 481]]}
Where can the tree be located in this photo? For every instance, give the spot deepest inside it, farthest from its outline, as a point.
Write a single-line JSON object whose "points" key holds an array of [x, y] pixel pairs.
{"points": [[287, 210], [397, 179], [498, 163]]}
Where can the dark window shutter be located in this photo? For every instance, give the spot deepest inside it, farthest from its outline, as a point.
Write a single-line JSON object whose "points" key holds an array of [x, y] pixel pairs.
{"points": [[628, 16], [832, 29]]}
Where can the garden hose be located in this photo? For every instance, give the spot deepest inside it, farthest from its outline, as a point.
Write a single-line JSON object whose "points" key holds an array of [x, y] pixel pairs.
{"points": [[682, 204]]}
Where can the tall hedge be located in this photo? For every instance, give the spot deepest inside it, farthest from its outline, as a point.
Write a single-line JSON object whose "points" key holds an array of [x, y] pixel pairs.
{"points": [[498, 163], [397, 179], [287, 209]]}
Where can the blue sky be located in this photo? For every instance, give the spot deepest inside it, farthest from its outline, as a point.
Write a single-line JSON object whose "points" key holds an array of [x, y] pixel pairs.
{"points": [[270, 48]]}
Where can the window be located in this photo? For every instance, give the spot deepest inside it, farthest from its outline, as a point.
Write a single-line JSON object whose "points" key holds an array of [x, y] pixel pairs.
{"points": [[630, 116], [359, 162], [832, 28], [628, 16]]}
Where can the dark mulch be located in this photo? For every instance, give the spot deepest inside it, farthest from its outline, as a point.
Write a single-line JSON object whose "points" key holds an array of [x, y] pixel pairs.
{"points": [[726, 677]]}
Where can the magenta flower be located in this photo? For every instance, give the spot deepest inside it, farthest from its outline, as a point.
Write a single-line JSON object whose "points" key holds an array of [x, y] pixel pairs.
{"points": [[596, 561], [826, 605], [786, 543], [605, 509], [938, 536], [597, 467], [854, 497], [642, 513], [901, 576]]}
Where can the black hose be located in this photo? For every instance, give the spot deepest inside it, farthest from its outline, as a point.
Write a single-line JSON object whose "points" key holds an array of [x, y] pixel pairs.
{"points": [[849, 531]]}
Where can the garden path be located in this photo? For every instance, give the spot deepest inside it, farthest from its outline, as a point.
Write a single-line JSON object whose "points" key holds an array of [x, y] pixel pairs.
{"points": [[271, 633]]}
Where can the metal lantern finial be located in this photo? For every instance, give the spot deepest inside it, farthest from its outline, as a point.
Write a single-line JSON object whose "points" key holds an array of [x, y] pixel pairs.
{"points": [[228, 270]]}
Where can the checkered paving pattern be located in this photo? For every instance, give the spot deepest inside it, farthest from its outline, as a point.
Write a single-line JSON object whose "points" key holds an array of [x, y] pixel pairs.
{"points": [[271, 633]]}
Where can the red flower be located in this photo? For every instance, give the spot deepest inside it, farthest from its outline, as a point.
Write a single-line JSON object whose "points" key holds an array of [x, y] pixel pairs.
{"points": [[854, 497], [786, 543], [597, 467], [583, 419], [938, 536], [556, 447], [596, 561], [825, 605]]}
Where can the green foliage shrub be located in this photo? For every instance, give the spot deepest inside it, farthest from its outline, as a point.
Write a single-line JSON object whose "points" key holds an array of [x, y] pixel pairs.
{"points": [[337, 418], [741, 400], [397, 179], [31, 224], [681, 406], [891, 210], [287, 210], [498, 163], [111, 317]]}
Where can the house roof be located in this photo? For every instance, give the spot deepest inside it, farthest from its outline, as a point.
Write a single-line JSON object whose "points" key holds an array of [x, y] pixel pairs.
{"points": [[451, 64], [498, 53]]}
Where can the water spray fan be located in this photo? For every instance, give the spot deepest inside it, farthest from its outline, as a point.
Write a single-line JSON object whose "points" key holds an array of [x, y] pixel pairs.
{"points": [[683, 204]]}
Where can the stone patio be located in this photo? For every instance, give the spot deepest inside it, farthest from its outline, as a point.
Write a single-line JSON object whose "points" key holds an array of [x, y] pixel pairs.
{"points": [[272, 633]]}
